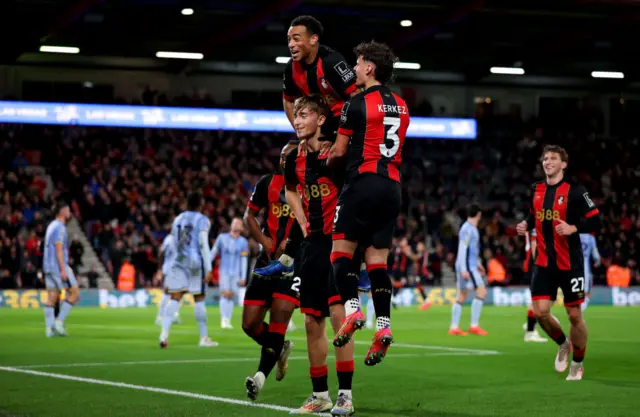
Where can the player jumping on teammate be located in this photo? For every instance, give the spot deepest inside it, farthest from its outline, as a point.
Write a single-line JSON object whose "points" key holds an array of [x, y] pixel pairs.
{"points": [[560, 211], [373, 126], [279, 294], [190, 268], [319, 296], [313, 69]]}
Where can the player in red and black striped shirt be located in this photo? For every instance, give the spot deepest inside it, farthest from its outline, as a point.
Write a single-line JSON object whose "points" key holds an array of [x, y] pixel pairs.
{"points": [[316, 69], [280, 294], [560, 211], [315, 209], [373, 126]]}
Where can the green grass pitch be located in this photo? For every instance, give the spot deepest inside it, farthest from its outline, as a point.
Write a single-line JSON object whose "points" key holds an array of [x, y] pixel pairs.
{"points": [[112, 366]]}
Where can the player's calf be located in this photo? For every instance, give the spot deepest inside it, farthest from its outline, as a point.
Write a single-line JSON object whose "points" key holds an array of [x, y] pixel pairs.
{"points": [[49, 312], [578, 341], [172, 308], [73, 295]]}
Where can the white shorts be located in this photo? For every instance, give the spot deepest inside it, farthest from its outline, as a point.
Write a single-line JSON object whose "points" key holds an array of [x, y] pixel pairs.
{"points": [[54, 282], [228, 283], [185, 280], [474, 281]]}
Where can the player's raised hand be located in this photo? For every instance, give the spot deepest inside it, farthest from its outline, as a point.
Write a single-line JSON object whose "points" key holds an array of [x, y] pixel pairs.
{"points": [[521, 228], [564, 229]]}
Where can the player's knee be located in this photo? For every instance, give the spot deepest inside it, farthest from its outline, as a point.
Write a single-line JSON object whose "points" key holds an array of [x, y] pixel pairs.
{"points": [[575, 315], [541, 313], [481, 292], [461, 297], [251, 327], [313, 327], [73, 295]]}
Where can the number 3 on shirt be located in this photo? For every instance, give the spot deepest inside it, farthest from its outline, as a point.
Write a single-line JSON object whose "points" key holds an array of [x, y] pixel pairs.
{"points": [[391, 126]]}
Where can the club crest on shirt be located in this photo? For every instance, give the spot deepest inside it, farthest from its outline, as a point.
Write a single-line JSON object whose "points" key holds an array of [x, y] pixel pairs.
{"points": [[560, 200]]}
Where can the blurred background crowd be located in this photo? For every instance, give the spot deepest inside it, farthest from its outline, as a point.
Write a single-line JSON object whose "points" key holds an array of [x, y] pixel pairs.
{"points": [[127, 185]]}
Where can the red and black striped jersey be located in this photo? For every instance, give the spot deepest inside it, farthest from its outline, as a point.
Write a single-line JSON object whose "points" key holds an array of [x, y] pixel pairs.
{"points": [[567, 202], [400, 261], [279, 221], [319, 192], [422, 265], [377, 121], [329, 75]]}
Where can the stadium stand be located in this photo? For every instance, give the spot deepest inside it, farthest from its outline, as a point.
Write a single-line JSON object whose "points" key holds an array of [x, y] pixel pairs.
{"points": [[127, 185]]}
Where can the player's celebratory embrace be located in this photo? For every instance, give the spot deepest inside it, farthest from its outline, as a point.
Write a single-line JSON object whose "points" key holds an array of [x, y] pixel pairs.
{"points": [[560, 212]]}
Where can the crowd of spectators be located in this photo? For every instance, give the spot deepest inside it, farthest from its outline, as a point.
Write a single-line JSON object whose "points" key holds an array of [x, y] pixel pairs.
{"points": [[127, 185]]}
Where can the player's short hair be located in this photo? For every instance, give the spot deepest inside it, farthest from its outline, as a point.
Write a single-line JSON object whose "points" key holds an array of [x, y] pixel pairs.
{"points": [[564, 156], [473, 209], [313, 25], [194, 200], [381, 55], [314, 103], [61, 204]]}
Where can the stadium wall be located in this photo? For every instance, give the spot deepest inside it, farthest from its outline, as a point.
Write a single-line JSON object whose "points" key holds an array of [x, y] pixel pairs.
{"points": [[143, 298]]}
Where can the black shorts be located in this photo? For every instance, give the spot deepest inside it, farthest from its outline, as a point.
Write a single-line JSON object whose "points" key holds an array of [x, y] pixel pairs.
{"points": [[367, 211], [546, 281], [318, 289], [262, 290]]}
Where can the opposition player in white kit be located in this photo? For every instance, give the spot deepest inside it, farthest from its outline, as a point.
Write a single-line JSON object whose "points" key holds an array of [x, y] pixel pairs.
{"points": [[57, 273], [234, 261], [591, 258], [168, 251], [469, 272], [190, 268]]}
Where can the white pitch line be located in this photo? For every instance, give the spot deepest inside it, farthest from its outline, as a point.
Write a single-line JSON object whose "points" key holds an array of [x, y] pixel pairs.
{"points": [[215, 360], [358, 342], [428, 347], [152, 389]]}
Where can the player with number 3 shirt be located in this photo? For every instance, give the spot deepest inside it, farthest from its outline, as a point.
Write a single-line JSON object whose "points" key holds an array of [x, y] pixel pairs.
{"points": [[373, 126], [560, 210]]}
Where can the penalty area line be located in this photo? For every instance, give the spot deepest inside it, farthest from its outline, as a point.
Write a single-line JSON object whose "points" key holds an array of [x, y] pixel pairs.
{"points": [[152, 389]]}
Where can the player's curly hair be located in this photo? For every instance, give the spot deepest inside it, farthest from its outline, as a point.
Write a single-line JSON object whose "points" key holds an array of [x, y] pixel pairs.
{"points": [[564, 156], [315, 102], [381, 55], [313, 25]]}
